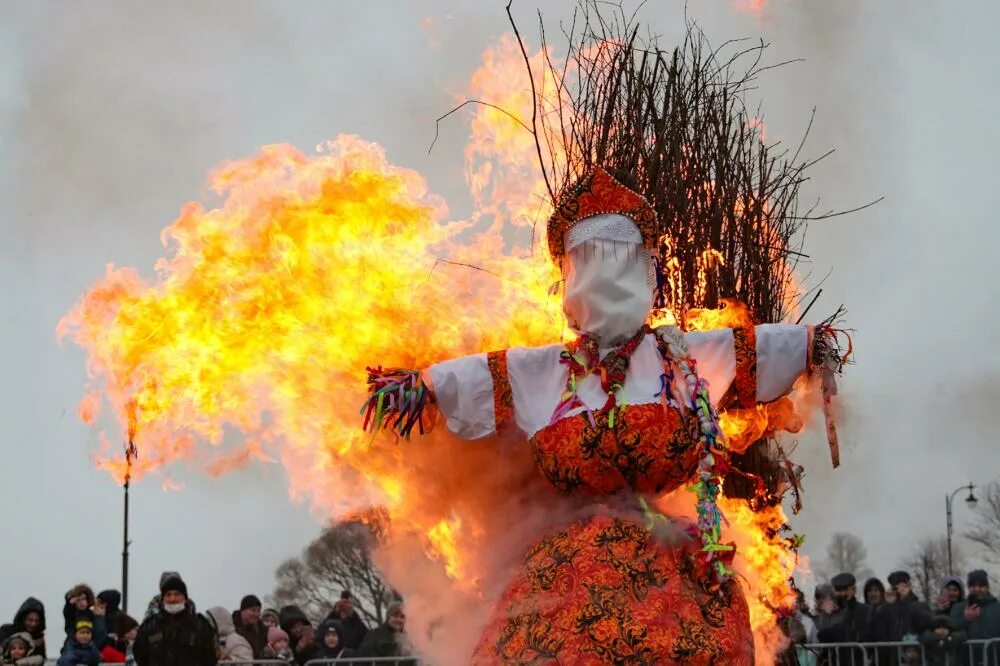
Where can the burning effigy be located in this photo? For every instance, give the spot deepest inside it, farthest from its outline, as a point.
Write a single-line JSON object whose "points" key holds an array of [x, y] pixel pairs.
{"points": [[570, 433]]}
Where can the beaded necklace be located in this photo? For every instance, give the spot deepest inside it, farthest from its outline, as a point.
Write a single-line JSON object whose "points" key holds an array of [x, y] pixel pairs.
{"points": [[581, 358]]}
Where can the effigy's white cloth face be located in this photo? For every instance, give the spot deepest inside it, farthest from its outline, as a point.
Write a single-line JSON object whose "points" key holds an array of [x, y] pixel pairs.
{"points": [[608, 279]]}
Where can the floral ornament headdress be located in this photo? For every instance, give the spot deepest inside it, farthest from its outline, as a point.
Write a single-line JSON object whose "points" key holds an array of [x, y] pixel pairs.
{"points": [[599, 193]]}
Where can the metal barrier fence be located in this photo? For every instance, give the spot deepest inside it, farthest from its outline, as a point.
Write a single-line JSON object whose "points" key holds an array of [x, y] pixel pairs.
{"points": [[967, 653]]}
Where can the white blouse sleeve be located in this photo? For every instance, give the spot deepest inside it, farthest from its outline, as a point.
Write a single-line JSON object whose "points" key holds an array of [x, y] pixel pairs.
{"points": [[763, 372], [463, 390]]}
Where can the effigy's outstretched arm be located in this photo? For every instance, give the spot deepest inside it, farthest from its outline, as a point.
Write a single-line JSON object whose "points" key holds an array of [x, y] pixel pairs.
{"points": [[471, 392], [758, 364]]}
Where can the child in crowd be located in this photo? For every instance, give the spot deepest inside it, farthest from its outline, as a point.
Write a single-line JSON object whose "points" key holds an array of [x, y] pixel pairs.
{"points": [[277, 645], [942, 645], [80, 650], [331, 640], [118, 649], [19, 649]]}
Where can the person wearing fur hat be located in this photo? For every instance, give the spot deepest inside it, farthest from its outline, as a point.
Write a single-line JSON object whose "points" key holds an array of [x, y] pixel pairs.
{"points": [[29, 619], [19, 650], [249, 626], [278, 645], [175, 634], [80, 649], [118, 649]]}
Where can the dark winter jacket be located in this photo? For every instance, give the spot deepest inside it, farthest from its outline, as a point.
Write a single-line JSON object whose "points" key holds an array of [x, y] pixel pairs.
{"points": [[288, 616], [30, 605], [945, 651], [384, 641], [353, 626], [988, 624], [906, 616], [170, 640], [112, 600], [255, 634], [850, 624], [327, 652], [30, 659], [76, 653]]}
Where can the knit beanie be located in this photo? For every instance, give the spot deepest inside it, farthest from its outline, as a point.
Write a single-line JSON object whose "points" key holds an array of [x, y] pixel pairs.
{"points": [[250, 601], [979, 578], [173, 584]]}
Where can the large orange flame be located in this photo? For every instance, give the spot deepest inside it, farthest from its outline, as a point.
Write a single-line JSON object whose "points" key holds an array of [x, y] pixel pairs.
{"points": [[254, 336]]}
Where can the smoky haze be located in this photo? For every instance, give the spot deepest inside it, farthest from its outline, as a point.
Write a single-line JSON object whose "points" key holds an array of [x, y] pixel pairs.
{"points": [[112, 113]]}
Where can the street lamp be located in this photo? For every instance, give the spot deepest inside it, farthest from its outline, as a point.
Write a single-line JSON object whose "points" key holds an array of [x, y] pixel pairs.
{"points": [[971, 501]]}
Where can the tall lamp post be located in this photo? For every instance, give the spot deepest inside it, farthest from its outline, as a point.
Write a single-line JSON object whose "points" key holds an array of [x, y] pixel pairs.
{"points": [[971, 501]]}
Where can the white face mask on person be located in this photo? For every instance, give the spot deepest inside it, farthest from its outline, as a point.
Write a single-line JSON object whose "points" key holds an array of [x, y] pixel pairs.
{"points": [[174, 609], [608, 277]]}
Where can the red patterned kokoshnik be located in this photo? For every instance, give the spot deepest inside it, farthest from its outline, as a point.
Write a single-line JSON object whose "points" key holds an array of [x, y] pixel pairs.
{"points": [[599, 193]]}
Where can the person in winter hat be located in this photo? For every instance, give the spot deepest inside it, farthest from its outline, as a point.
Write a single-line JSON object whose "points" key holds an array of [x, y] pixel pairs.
{"points": [[175, 634], [979, 615], [29, 619], [80, 650], [233, 647], [19, 650], [248, 624], [118, 649], [154, 604], [331, 639], [942, 646], [278, 645]]}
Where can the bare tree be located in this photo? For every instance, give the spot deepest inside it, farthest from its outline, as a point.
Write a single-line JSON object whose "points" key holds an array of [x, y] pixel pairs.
{"points": [[927, 564], [986, 530], [846, 553], [339, 559]]}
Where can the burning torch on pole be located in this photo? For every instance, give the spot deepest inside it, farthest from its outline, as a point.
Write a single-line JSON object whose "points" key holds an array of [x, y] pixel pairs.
{"points": [[131, 453]]}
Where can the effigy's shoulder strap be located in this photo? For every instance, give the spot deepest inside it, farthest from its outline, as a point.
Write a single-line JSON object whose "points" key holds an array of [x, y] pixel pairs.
{"points": [[503, 395]]}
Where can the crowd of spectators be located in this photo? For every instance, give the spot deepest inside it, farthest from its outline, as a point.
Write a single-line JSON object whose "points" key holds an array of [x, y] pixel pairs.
{"points": [[937, 628], [173, 631]]}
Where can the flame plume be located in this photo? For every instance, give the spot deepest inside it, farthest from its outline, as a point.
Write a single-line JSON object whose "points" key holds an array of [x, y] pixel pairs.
{"points": [[252, 340]]}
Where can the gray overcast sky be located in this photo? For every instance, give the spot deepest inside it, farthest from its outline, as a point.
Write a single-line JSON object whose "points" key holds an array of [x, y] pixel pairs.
{"points": [[111, 114]]}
